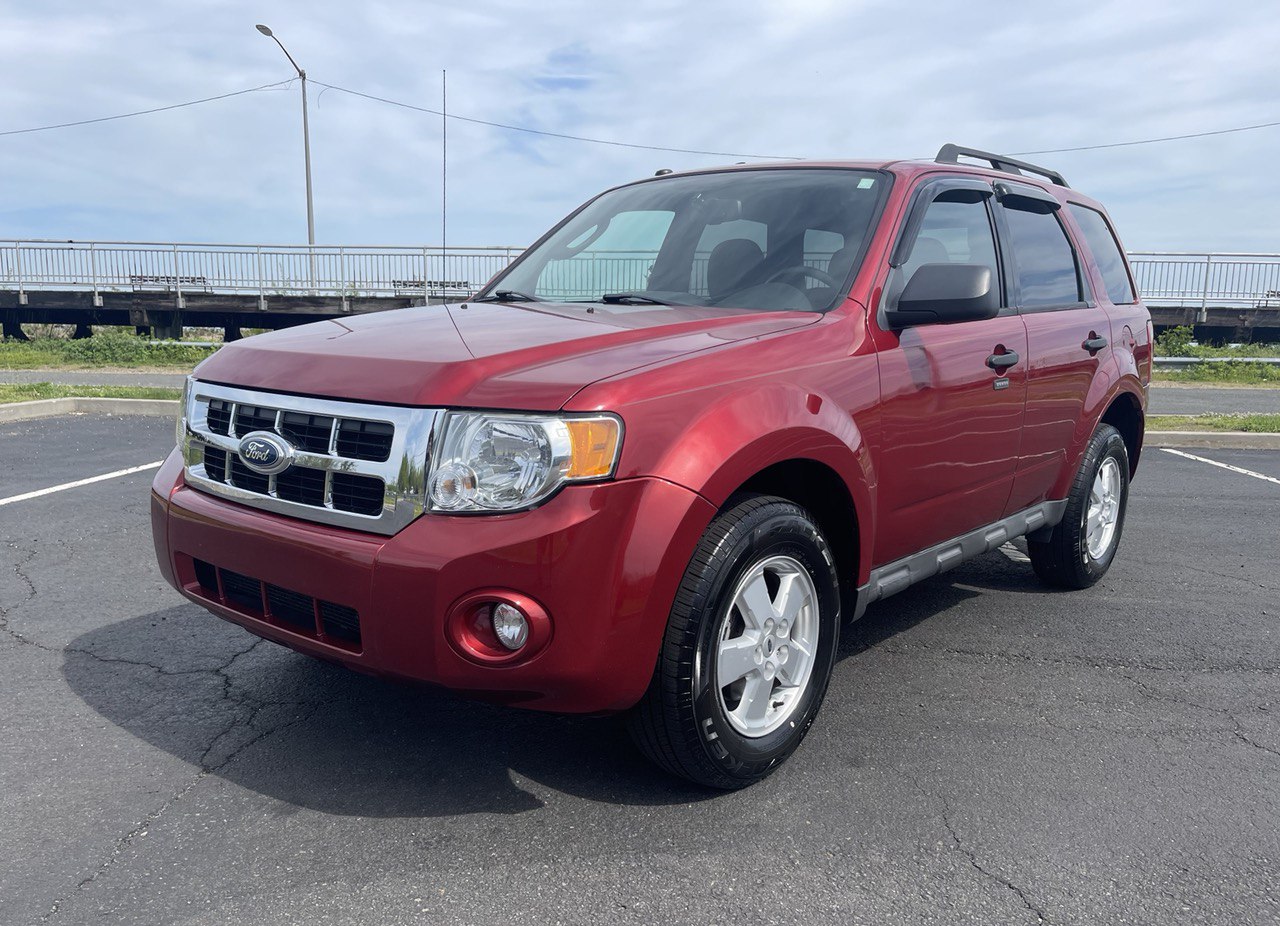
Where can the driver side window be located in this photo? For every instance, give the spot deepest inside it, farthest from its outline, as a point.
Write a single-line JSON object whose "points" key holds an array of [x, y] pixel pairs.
{"points": [[953, 232]]}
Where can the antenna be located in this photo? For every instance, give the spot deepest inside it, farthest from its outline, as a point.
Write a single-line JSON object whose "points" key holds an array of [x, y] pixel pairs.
{"points": [[444, 171]]}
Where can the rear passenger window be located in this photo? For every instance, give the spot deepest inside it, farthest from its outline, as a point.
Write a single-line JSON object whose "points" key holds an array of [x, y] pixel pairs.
{"points": [[1106, 252], [1044, 259]]}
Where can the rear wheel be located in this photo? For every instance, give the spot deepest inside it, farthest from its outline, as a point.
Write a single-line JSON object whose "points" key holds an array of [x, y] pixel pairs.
{"points": [[1081, 548], [748, 650]]}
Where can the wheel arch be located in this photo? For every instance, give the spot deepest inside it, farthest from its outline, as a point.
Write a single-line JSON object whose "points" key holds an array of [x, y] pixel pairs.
{"points": [[822, 492], [1125, 414]]}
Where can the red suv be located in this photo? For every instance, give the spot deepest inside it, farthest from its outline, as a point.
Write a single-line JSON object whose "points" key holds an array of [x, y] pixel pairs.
{"points": [[656, 461]]}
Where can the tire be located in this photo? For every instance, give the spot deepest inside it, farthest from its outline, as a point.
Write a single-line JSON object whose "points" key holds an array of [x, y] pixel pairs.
{"points": [[733, 736], [1074, 556]]}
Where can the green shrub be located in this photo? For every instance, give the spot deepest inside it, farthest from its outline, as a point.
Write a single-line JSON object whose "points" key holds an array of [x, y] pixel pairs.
{"points": [[1175, 342]]}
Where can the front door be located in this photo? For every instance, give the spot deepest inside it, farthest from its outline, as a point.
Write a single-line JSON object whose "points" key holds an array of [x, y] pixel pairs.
{"points": [[952, 394]]}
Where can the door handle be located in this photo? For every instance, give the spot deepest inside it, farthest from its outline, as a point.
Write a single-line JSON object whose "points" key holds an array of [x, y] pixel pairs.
{"points": [[1093, 343], [1003, 361]]}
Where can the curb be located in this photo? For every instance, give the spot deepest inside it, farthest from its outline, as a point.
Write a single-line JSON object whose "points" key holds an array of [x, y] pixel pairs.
{"points": [[1225, 440], [47, 408]]}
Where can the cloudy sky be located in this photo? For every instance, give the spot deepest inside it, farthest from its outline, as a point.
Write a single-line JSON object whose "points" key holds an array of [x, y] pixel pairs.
{"points": [[804, 78]]}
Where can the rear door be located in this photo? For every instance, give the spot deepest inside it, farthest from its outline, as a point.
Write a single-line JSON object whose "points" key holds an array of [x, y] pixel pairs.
{"points": [[1068, 333], [951, 416]]}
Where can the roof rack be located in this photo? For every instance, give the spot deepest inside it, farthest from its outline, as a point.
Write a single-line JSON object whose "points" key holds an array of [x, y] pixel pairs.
{"points": [[951, 154]]}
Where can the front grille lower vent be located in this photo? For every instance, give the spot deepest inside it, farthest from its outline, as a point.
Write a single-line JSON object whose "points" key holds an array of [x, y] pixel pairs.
{"points": [[326, 621]]}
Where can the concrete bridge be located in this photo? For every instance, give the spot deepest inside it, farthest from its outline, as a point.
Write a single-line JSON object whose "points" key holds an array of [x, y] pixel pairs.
{"points": [[163, 287]]}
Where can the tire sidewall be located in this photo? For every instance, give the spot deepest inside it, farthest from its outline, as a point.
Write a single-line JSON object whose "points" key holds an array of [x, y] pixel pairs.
{"points": [[1107, 444], [782, 531]]}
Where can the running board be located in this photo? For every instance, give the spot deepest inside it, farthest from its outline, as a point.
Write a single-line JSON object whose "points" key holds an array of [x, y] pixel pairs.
{"points": [[892, 578]]}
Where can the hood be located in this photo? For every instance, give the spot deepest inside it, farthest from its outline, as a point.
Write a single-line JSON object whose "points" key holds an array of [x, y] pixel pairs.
{"points": [[531, 356]]}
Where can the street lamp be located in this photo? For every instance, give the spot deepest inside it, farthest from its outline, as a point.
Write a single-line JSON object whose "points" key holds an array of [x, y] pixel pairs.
{"points": [[306, 132]]}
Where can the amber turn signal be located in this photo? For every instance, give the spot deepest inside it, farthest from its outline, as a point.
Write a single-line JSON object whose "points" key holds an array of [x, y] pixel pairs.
{"points": [[595, 447]]}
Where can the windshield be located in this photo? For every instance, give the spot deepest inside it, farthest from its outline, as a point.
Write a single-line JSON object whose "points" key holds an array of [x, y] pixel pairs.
{"points": [[777, 239]]}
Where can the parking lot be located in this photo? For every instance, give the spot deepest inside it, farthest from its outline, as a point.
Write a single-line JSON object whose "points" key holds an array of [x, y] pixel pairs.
{"points": [[989, 752]]}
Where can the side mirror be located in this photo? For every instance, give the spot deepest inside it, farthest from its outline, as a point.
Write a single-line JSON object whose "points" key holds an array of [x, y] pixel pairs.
{"points": [[942, 293]]}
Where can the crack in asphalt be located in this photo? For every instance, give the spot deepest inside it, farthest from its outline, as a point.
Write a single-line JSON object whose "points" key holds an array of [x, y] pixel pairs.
{"points": [[1123, 670], [5, 612], [246, 711], [228, 693], [1238, 732], [957, 845]]}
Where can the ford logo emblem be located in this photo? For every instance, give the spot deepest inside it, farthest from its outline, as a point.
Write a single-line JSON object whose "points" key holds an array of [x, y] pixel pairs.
{"points": [[266, 453]]}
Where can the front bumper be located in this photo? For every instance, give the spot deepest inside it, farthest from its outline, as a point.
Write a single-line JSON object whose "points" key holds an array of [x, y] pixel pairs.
{"points": [[603, 560]]}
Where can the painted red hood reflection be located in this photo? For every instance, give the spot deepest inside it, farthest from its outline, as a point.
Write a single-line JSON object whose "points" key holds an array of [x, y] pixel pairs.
{"points": [[486, 355]]}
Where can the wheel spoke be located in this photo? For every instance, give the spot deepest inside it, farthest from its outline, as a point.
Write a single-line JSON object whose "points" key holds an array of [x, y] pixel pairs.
{"points": [[792, 672], [791, 599], [756, 696], [754, 603], [735, 659]]}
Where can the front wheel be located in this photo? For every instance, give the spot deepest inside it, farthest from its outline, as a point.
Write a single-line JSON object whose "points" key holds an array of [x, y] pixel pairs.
{"points": [[749, 647], [1080, 549]]}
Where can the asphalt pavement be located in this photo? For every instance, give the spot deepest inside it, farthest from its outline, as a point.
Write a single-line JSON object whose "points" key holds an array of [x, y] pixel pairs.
{"points": [[989, 753]]}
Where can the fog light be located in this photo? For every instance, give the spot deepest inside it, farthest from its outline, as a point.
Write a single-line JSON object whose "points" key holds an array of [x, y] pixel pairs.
{"points": [[510, 626]]}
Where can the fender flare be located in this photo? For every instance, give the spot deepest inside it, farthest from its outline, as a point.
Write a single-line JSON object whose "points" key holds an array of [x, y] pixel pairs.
{"points": [[742, 434]]}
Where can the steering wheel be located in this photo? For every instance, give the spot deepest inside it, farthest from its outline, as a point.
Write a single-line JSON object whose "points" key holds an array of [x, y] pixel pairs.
{"points": [[803, 270]]}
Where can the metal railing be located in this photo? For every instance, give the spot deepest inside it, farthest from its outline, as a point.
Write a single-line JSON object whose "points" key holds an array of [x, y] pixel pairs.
{"points": [[1204, 280], [352, 271], [348, 271]]}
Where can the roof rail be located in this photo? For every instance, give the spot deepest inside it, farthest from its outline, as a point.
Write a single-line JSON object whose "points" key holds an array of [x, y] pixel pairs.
{"points": [[951, 154]]}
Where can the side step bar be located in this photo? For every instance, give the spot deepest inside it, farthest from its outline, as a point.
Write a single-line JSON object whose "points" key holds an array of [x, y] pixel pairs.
{"points": [[892, 578]]}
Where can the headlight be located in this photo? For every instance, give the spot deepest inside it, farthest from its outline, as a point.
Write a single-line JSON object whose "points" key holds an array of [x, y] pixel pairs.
{"points": [[495, 462]]}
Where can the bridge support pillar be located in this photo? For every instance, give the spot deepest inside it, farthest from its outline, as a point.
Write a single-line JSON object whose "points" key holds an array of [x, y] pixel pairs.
{"points": [[12, 328]]}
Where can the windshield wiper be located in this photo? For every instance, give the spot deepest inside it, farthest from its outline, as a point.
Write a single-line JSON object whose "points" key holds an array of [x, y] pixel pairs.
{"points": [[508, 295], [630, 299]]}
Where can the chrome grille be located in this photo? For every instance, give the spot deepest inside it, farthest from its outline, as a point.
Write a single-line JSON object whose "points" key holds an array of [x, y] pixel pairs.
{"points": [[354, 465]]}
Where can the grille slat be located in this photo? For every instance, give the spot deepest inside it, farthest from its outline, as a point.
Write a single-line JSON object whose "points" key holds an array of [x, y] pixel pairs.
{"points": [[302, 485], [307, 432], [340, 621], [219, 416], [242, 590], [358, 494], [244, 478], [215, 463], [365, 440], [292, 609], [254, 418]]}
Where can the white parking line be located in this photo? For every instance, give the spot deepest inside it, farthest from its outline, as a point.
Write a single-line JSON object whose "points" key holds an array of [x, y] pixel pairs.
{"points": [[1227, 466], [79, 482]]}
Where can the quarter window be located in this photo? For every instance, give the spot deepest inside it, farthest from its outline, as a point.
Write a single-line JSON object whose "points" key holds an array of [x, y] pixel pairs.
{"points": [[1106, 252], [1044, 258]]}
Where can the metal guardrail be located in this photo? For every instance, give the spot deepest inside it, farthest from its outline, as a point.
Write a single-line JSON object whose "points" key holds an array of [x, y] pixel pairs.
{"points": [[265, 270], [1163, 277], [1181, 363], [1210, 279]]}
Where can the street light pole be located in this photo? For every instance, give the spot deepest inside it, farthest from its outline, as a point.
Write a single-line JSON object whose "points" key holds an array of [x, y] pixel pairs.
{"points": [[306, 132]]}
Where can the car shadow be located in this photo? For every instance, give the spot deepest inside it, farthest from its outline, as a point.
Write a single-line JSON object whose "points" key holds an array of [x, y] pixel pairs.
{"points": [[317, 736]]}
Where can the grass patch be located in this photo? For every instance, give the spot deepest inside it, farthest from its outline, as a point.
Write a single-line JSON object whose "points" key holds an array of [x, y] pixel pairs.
{"points": [[29, 392], [1233, 372], [106, 349], [1253, 424]]}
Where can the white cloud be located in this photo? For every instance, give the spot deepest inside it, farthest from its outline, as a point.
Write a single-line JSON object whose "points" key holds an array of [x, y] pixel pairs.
{"points": [[816, 79]]}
